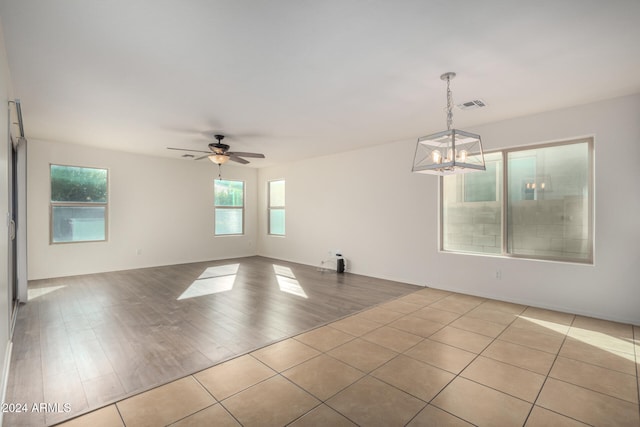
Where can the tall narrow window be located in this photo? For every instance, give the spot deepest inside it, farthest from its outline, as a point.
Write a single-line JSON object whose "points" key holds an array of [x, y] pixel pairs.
{"points": [[78, 204], [229, 207], [276, 208], [546, 210]]}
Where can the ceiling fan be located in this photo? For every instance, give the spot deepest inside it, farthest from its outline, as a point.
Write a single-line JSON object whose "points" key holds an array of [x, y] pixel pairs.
{"points": [[219, 153]]}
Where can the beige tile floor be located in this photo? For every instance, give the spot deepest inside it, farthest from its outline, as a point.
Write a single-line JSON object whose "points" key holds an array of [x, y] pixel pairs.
{"points": [[429, 358]]}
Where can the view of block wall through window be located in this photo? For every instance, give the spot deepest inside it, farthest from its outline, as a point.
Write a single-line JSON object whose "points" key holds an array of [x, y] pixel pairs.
{"points": [[471, 209], [276, 208], [229, 207], [78, 211], [548, 204], [547, 208]]}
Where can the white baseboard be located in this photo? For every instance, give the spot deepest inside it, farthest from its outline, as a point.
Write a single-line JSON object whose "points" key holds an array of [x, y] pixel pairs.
{"points": [[538, 304]]}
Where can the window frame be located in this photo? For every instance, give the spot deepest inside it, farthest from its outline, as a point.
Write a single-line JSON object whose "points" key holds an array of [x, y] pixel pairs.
{"points": [[276, 207], [241, 208], [504, 205], [56, 204]]}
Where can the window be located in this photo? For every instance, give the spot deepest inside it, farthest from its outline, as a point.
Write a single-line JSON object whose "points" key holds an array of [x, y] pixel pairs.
{"points": [[276, 208], [78, 204], [533, 202], [471, 209], [229, 207]]}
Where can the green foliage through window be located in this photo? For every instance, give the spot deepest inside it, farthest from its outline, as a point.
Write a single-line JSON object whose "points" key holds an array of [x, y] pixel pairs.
{"points": [[76, 184], [78, 204], [229, 193]]}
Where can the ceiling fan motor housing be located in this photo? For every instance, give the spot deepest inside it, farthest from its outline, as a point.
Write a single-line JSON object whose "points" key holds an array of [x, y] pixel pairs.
{"points": [[218, 148], [220, 154]]}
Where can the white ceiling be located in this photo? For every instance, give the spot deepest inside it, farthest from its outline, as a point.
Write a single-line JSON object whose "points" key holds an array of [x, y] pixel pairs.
{"points": [[301, 78]]}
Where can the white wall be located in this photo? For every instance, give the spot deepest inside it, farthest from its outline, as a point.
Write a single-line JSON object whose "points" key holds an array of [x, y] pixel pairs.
{"points": [[5, 302], [365, 203], [368, 204], [161, 206]]}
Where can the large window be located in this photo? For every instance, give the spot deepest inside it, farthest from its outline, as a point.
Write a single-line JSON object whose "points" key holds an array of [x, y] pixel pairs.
{"points": [[533, 202], [78, 204], [229, 207], [276, 208]]}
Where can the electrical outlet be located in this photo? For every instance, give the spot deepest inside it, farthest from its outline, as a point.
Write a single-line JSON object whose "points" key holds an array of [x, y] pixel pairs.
{"points": [[498, 274]]}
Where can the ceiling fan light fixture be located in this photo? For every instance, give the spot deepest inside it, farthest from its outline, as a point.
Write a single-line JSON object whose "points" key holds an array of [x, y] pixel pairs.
{"points": [[219, 159], [219, 153], [451, 151]]}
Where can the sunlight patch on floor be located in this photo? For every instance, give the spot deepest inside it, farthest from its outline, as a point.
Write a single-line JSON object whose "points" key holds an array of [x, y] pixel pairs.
{"points": [[38, 292], [220, 270], [287, 281], [602, 341], [213, 280], [556, 327]]}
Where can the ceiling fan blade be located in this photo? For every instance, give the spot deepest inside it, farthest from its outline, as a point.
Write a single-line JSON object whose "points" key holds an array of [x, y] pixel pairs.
{"points": [[243, 154], [184, 149], [202, 157], [240, 160]]}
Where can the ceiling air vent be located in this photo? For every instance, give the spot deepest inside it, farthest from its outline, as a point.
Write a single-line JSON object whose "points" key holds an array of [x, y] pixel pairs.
{"points": [[470, 105]]}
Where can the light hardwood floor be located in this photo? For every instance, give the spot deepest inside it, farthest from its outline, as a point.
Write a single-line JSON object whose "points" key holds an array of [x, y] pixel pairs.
{"points": [[90, 340]]}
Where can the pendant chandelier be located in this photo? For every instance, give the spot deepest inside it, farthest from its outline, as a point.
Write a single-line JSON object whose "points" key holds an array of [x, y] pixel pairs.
{"points": [[451, 151]]}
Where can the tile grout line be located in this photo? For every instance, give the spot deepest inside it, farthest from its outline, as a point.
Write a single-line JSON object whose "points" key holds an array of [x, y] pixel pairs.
{"points": [[427, 403], [192, 376], [466, 366], [280, 374], [458, 375], [547, 377], [276, 373], [366, 374], [321, 402], [119, 414], [594, 365], [550, 369]]}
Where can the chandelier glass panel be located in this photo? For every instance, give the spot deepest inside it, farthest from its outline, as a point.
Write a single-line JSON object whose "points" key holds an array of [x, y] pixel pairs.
{"points": [[451, 151]]}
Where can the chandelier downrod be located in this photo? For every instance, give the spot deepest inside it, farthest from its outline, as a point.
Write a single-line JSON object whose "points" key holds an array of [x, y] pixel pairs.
{"points": [[448, 77]]}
